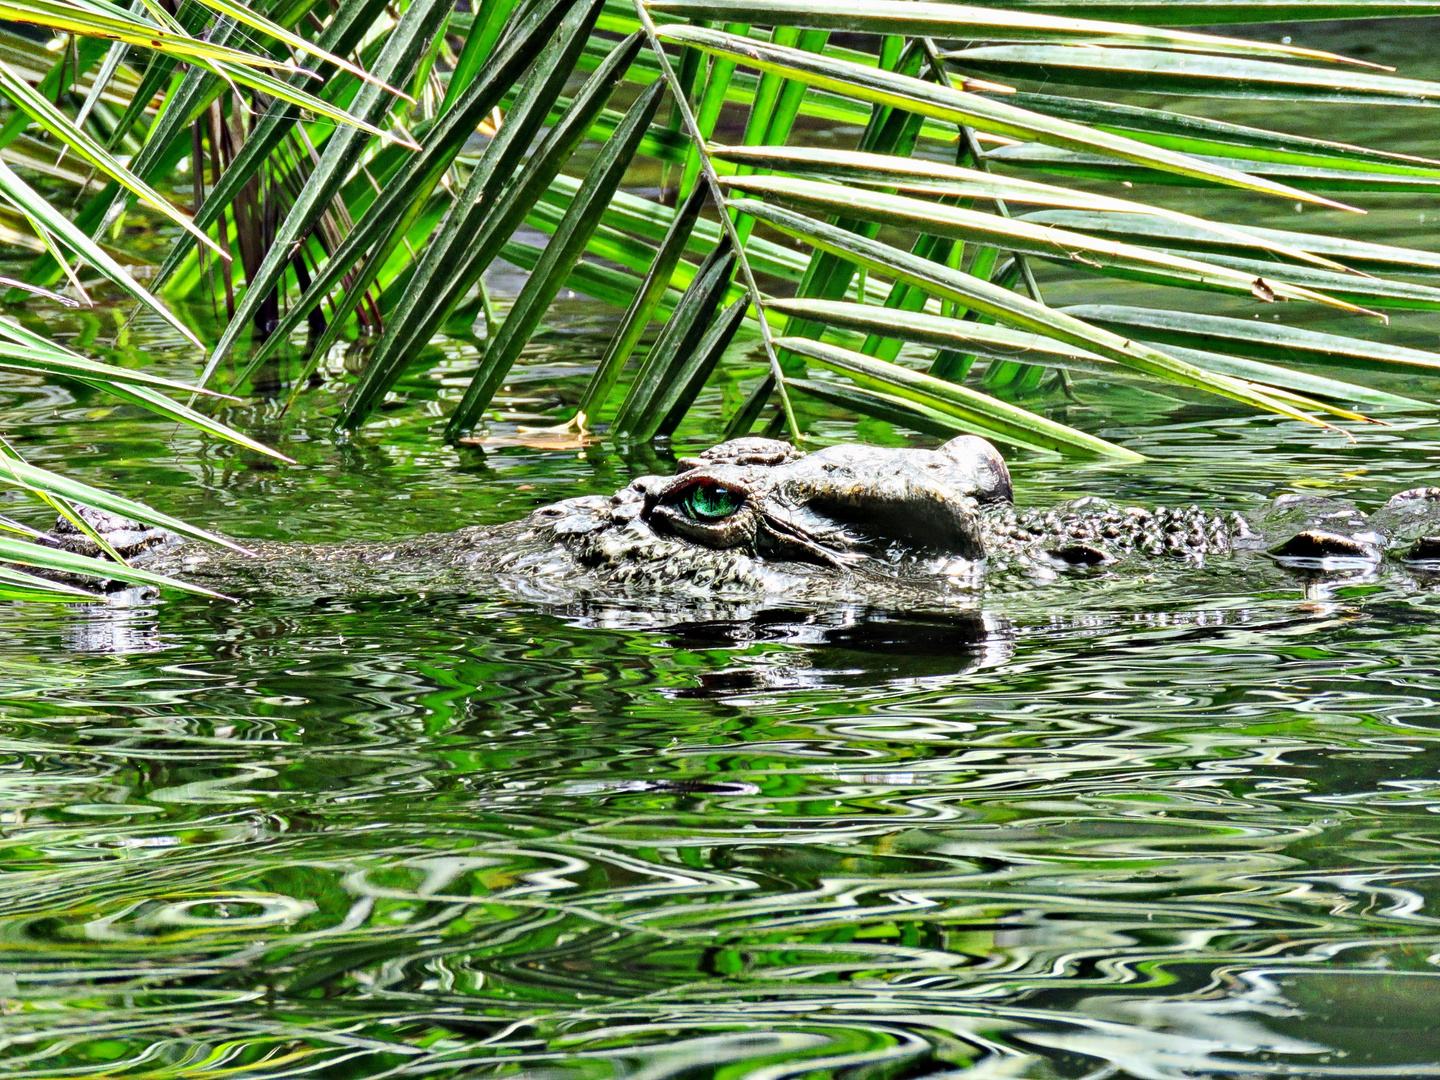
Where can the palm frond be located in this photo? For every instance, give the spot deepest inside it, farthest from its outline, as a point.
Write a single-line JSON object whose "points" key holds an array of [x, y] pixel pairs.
{"points": [[895, 277]]}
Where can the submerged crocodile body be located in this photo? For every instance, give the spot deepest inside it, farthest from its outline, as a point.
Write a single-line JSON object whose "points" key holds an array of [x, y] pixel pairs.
{"points": [[756, 519]]}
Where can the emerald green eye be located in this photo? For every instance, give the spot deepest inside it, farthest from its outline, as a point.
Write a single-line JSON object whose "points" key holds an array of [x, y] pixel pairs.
{"points": [[710, 502]]}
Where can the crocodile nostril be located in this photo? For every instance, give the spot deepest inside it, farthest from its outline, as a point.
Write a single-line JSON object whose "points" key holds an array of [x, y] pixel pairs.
{"points": [[1318, 544], [1426, 549], [1081, 555]]}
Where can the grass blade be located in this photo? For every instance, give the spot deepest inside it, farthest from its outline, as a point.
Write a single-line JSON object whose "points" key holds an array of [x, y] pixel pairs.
{"points": [[642, 309], [1309, 177], [1211, 12], [160, 404], [641, 412], [545, 79], [485, 31], [989, 416], [1372, 292], [20, 358], [893, 410], [954, 181], [961, 107], [51, 119], [403, 335], [247, 17], [1172, 232], [1218, 138], [560, 255], [18, 585], [113, 23], [342, 34]]}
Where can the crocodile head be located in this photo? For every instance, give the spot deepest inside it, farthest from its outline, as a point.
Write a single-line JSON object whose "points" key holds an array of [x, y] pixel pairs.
{"points": [[758, 513], [833, 507], [757, 519]]}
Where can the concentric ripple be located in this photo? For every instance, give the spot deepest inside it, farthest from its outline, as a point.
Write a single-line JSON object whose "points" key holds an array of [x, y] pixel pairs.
{"points": [[1167, 826], [1202, 844]]}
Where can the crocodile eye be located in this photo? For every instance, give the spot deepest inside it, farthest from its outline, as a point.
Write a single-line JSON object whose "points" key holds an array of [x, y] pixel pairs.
{"points": [[710, 502]]}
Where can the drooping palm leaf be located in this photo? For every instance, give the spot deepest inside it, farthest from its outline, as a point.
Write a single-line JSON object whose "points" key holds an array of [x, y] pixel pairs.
{"points": [[1013, 234], [1157, 72], [642, 309], [646, 403], [523, 40], [561, 253], [918, 18], [1001, 343], [956, 182], [404, 46], [25, 351], [962, 107], [395, 240]]}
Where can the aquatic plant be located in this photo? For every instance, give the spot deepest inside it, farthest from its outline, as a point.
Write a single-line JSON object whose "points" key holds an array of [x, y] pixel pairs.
{"points": [[337, 182], [180, 52], [898, 243]]}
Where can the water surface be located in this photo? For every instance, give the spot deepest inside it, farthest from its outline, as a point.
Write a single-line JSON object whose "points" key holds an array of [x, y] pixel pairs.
{"points": [[1166, 825]]}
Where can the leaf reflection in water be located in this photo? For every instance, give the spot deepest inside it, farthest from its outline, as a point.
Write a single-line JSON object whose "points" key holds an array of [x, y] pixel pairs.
{"points": [[454, 836]]}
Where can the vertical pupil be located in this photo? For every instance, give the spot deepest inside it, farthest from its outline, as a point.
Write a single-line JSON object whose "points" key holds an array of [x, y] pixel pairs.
{"points": [[708, 502]]}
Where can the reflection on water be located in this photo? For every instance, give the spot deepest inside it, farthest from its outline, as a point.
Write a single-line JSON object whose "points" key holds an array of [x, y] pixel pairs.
{"points": [[1167, 825], [444, 836]]}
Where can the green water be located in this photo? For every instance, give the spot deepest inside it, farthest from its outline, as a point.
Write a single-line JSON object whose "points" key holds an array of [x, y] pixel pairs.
{"points": [[1168, 825]]}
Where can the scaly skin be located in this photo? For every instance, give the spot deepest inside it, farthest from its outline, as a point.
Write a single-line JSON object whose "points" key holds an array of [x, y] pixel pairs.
{"points": [[756, 519]]}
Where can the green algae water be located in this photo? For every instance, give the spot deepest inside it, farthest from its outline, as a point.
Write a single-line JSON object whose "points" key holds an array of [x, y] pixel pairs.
{"points": [[1153, 825]]}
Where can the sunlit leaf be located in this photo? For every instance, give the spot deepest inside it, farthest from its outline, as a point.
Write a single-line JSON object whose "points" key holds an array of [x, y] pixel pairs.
{"points": [[1165, 73], [24, 475], [1004, 344], [936, 219], [916, 18], [961, 107], [1001, 304], [1174, 232], [39, 210], [68, 563], [1253, 337], [985, 415], [937, 178]]}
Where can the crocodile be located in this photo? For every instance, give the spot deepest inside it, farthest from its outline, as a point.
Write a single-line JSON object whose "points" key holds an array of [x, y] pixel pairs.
{"points": [[758, 519]]}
